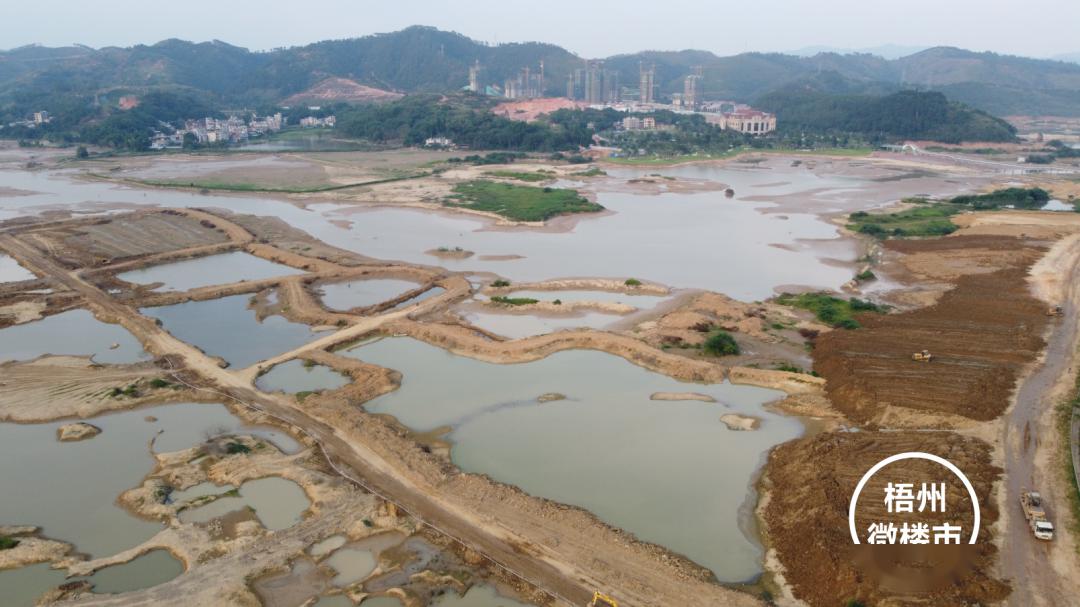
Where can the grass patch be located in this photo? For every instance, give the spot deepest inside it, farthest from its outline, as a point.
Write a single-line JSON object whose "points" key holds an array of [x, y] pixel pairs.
{"points": [[829, 310], [514, 301], [928, 220], [519, 203], [501, 282], [720, 343], [519, 175], [7, 543], [632, 282], [865, 275]]}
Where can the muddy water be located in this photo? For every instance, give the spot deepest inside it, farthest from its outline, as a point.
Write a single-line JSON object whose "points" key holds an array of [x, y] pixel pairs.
{"points": [[150, 569], [70, 489], [700, 240], [351, 565], [477, 596], [21, 587], [362, 293], [513, 325], [75, 332], [516, 326], [277, 502], [206, 271], [641, 302], [11, 271], [671, 472], [227, 328], [297, 376]]}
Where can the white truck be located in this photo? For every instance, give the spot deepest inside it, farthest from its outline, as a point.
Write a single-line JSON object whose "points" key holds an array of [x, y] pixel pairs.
{"points": [[1031, 502]]}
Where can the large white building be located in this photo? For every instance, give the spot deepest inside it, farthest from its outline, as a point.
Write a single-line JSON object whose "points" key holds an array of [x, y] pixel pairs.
{"points": [[752, 122]]}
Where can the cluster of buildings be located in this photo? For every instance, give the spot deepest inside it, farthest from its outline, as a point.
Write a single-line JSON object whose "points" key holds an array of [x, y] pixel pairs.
{"points": [[598, 86], [38, 119], [215, 130], [312, 122], [633, 123]]}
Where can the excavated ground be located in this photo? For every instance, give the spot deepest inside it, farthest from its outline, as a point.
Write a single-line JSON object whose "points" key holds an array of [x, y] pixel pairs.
{"points": [[981, 333], [813, 480]]}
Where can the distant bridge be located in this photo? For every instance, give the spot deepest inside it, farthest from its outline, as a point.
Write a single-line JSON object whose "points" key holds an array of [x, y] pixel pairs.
{"points": [[1002, 167]]}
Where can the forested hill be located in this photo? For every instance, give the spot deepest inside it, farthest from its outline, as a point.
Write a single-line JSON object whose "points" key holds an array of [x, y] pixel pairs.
{"points": [[424, 59], [904, 114]]}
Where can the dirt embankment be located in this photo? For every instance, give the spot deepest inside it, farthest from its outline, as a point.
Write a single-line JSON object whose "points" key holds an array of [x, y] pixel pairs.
{"points": [[812, 481], [981, 333]]}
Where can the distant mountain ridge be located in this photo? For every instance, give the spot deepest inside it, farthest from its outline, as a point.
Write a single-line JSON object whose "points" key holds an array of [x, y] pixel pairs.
{"points": [[425, 59]]}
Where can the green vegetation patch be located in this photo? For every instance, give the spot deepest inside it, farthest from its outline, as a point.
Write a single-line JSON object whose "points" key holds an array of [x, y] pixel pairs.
{"points": [[829, 310], [514, 301], [1019, 198], [7, 543], [592, 172], [519, 203], [520, 175], [929, 220], [720, 343]]}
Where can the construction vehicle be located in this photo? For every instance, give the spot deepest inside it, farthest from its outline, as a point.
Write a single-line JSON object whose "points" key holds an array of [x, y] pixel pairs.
{"points": [[1055, 311], [923, 356], [600, 599], [1031, 502]]}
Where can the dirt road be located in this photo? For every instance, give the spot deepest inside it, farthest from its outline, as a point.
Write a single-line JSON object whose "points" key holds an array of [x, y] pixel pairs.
{"points": [[1042, 573]]}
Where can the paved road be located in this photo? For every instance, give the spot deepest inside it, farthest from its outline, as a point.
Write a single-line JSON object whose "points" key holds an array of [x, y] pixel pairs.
{"points": [[1024, 559]]}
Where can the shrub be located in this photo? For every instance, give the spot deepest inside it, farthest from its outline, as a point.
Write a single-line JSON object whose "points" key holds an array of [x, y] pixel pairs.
{"points": [[501, 283], [7, 543], [632, 282], [720, 343], [159, 383], [865, 275], [234, 447]]}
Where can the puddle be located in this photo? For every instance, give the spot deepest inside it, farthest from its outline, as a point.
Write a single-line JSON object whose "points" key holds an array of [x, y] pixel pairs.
{"points": [[516, 326], [327, 546], [11, 271], [206, 271], [301, 583], [432, 292], [300, 376], [363, 293], [48, 474], [351, 565], [150, 569], [552, 449], [75, 332], [477, 596], [22, 587], [227, 328], [380, 601], [641, 302], [277, 502]]}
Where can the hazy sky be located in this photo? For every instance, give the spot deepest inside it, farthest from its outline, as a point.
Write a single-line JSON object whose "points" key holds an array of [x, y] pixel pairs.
{"points": [[588, 27]]}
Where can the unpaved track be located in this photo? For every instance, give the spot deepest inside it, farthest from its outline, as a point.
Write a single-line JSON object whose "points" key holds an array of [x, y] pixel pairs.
{"points": [[1040, 571]]}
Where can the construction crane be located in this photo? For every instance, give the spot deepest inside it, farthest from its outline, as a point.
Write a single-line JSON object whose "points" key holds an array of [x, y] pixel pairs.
{"points": [[600, 599]]}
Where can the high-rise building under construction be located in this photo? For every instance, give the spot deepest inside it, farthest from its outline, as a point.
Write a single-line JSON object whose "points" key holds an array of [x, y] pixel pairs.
{"points": [[647, 82]]}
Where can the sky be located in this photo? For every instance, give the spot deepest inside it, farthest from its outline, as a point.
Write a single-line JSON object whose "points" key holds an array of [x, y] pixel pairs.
{"points": [[591, 28]]}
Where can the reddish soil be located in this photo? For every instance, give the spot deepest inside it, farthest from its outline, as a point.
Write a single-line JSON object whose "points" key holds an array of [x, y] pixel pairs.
{"points": [[982, 332], [342, 89], [812, 481], [531, 109]]}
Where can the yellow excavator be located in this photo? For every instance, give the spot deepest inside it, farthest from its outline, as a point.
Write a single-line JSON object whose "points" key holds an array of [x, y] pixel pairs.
{"points": [[600, 599], [923, 357]]}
